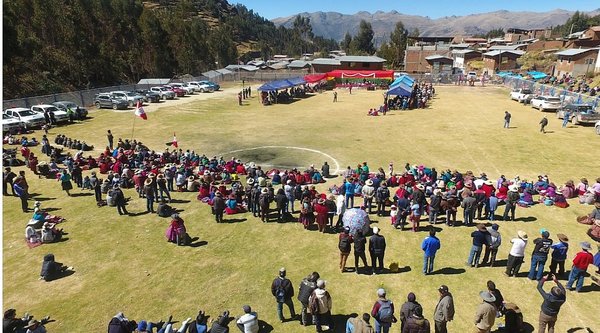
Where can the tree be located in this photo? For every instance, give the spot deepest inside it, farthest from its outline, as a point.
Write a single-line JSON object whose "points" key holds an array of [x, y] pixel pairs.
{"points": [[398, 42], [363, 41], [345, 45], [536, 60]]}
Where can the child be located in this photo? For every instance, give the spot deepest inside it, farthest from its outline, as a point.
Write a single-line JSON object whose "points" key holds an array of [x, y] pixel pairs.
{"points": [[46, 127], [415, 215], [393, 214], [391, 168], [87, 184]]}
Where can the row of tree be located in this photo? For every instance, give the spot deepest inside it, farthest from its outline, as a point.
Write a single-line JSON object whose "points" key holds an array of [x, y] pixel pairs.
{"points": [[60, 45]]}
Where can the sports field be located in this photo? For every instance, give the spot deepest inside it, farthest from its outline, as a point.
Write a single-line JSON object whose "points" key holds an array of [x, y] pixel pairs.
{"points": [[124, 263]]}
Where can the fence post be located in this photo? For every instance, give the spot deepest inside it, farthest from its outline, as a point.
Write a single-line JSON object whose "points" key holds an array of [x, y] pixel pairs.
{"points": [[81, 98], [27, 102]]}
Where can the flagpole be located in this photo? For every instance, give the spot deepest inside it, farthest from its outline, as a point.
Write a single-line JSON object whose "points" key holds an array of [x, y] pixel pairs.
{"points": [[133, 126]]}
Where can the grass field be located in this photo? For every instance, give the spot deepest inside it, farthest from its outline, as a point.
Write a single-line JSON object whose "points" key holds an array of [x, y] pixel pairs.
{"points": [[125, 264]]}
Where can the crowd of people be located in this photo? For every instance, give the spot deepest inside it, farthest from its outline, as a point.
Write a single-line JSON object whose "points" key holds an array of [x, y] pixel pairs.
{"points": [[421, 94]]}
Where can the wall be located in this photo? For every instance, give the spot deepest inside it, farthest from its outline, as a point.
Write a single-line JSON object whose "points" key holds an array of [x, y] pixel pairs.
{"points": [[414, 60]]}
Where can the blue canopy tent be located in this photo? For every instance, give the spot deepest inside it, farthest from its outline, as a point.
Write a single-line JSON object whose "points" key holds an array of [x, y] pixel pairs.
{"points": [[282, 84], [296, 81], [402, 86], [537, 75]]}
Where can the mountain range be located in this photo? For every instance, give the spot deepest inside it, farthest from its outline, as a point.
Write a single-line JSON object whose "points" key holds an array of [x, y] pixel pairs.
{"points": [[335, 25]]}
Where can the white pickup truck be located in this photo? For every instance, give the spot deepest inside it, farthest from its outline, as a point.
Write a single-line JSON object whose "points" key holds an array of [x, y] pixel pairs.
{"points": [[521, 95]]}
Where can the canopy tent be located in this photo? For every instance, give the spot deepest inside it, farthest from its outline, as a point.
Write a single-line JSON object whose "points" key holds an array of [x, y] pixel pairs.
{"points": [[282, 84], [402, 86], [537, 75], [350, 74], [314, 78], [504, 74]]}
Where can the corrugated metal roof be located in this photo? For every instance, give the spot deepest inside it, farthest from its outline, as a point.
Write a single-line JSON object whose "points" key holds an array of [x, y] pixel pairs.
{"points": [[154, 81], [497, 52], [248, 68], [507, 47], [460, 46], [361, 59], [437, 56], [298, 64], [572, 52], [326, 61], [464, 51], [211, 74], [223, 71]]}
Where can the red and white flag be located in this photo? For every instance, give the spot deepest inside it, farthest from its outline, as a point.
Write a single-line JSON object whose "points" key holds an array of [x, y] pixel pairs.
{"points": [[174, 143], [139, 111]]}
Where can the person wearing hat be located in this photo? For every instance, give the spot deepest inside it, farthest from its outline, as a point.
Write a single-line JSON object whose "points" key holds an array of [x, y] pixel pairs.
{"points": [[516, 254], [320, 304], [322, 213], [382, 195], [264, 201], [499, 302], [580, 264], [307, 286], [7, 181], [408, 309], [383, 312], [551, 305], [161, 183], [368, 191], [416, 323], [359, 324], [149, 193], [469, 205], [288, 189], [344, 245], [10, 322], [435, 202], [494, 240], [283, 291], [119, 200], [430, 246], [377, 251], [539, 256], [512, 197], [444, 310], [559, 255], [218, 206], [485, 315], [480, 237], [248, 322]]}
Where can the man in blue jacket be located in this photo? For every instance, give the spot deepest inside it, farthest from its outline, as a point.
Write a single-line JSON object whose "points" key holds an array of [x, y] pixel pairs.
{"points": [[430, 246]]}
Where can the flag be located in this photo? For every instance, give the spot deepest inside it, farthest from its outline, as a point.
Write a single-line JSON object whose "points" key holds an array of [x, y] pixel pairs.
{"points": [[175, 141], [139, 111]]}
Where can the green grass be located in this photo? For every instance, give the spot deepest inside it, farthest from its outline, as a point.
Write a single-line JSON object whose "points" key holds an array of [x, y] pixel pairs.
{"points": [[125, 264]]}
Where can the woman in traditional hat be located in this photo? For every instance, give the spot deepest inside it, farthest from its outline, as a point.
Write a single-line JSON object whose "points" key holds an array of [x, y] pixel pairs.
{"points": [[322, 211], [65, 182], [559, 255]]}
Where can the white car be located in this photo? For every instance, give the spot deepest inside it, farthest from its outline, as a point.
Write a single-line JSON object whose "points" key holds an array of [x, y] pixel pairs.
{"points": [[544, 103], [597, 126], [521, 95], [201, 86], [131, 97], [164, 93], [189, 90], [11, 124], [60, 115], [29, 118]]}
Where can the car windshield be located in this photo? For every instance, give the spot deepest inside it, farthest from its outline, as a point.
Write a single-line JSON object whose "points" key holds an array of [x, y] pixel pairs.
{"points": [[526, 91], [5, 116], [26, 113], [553, 99], [52, 109], [132, 94], [584, 108], [163, 89]]}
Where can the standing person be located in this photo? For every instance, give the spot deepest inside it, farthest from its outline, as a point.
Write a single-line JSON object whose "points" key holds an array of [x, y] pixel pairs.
{"points": [[566, 118], [382, 195], [119, 199], [430, 246], [8, 178], [485, 316], [383, 312], [149, 193], [345, 245], [288, 189], [512, 197], [480, 238], [494, 241], [161, 183], [368, 192], [248, 322], [434, 205], [469, 204], [65, 182], [335, 96], [408, 309], [21, 188], [218, 206], [499, 302], [281, 202], [283, 291], [540, 255], [349, 192], [110, 139], [551, 305], [360, 242], [416, 323], [96, 185], [507, 117], [492, 205], [559, 255], [359, 324], [444, 310], [264, 200], [580, 264], [320, 305], [543, 124], [377, 251], [307, 286], [516, 254]]}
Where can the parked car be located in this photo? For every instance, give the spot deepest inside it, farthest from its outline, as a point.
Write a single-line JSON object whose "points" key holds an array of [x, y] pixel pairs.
{"points": [[580, 113], [64, 105], [204, 86], [11, 124], [472, 76], [108, 101], [60, 115], [188, 89], [179, 92], [597, 126], [149, 96], [165, 93], [521, 95], [29, 118], [131, 97], [545, 103]]}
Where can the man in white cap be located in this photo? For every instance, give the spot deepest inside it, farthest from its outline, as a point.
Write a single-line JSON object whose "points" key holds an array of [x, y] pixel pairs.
{"points": [[516, 254], [368, 192], [377, 251], [383, 312], [485, 316]]}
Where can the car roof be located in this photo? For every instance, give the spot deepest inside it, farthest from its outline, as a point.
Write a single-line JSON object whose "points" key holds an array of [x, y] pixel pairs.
{"points": [[64, 102], [17, 109], [44, 105]]}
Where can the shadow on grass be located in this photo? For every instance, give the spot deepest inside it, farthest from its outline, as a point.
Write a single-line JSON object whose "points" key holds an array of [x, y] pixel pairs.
{"points": [[264, 327], [235, 220], [197, 244], [589, 288], [61, 275], [37, 197], [339, 322], [138, 213], [527, 219], [179, 201], [501, 263], [429, 227], [579, 329], [63, 239], [449, 271], [82, 194], [51, 209]]}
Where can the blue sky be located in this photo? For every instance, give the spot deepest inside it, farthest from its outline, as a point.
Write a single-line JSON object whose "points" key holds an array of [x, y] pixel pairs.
{"points": [[433, 8]]}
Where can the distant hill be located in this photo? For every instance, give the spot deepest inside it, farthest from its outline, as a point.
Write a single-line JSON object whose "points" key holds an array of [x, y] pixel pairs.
{"points": [[334, 25]]}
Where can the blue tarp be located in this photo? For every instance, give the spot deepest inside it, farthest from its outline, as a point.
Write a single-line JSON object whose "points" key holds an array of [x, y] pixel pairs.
{"points": [[402, 86], [537, 75], [504, 74], [282, 84]]}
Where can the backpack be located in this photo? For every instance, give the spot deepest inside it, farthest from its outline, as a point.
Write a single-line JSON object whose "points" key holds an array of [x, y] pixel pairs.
{"points": [[344, 244], [280, 292], [385, 314], [313, 303]]}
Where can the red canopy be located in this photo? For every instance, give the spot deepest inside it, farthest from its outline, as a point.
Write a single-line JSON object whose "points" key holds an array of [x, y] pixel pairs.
{"points": [[349, 74], [312, 78]]}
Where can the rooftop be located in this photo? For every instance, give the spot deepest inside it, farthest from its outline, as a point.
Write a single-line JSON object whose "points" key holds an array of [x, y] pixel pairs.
{"points": [[326, 61], [572, 52], [499, 52], [361, 59]]}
